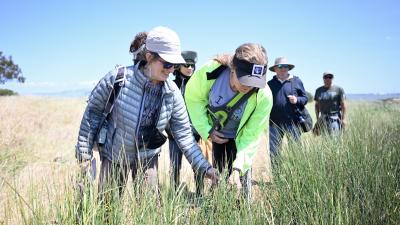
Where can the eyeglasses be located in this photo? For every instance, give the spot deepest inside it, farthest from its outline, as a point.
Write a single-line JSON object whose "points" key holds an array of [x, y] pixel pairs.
{"points": [[328, 77], [188, 65], [280, 66]]}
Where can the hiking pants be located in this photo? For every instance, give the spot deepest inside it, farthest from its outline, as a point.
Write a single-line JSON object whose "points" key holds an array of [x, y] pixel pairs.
{"points": [[116, 174], [276, 133]]}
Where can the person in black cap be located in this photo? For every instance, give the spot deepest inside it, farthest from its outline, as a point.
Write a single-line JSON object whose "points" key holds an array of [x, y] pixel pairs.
{"points": [[182, 74], [185, 71], [330, 107], [229, 102]]}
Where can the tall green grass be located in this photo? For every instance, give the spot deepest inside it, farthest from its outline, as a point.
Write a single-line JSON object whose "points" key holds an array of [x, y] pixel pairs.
{"points": [[351, 179]]}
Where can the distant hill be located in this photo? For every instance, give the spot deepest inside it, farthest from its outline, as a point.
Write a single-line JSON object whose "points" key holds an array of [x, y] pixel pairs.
{"points": [[84, 92], [372, 97], [67, 93]]}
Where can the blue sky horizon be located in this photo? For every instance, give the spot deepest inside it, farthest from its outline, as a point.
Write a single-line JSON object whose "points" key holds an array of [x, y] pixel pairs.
{"points": [[64, 46]]}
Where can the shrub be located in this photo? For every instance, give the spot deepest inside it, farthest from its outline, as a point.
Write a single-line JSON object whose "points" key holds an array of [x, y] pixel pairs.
{"points": [[7, 92], [310, 97]]}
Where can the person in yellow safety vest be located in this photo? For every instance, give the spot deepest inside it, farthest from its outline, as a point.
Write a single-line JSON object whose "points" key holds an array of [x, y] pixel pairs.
{"points": [[229, 102]]}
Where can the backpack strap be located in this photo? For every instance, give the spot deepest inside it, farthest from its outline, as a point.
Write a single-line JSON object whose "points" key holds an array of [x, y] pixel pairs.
{"points": [[293, 106], [119, 82], [216, 72]]}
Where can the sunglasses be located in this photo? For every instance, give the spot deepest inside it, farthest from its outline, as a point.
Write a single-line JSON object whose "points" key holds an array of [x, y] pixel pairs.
{"points": [[166, 65], [188, 65], [280, 66], [328, 77]]}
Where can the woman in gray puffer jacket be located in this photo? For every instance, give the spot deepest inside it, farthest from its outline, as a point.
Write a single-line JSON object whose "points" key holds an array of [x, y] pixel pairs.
{"points": [[146, 103]]}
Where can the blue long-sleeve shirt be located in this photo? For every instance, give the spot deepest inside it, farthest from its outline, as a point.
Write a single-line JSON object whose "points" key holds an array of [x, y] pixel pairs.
{"points": [[282, 110]]}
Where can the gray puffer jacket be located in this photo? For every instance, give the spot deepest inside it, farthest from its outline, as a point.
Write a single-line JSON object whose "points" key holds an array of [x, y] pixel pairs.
{"points": [[120, 142]]}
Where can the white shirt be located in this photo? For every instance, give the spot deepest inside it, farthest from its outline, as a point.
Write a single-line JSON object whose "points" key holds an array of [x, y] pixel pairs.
{"points": [[289, 77]]}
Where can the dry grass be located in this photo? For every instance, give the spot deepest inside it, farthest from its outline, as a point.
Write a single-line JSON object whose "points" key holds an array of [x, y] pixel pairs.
{"points": [[36, 147], [37, 139], [350, 180]]}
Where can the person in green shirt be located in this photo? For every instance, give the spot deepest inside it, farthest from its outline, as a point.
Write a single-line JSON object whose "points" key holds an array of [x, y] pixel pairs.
{"points": [[330, 107]]}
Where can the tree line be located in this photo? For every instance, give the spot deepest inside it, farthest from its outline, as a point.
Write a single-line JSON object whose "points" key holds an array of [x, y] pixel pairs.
{"points": [[9, 70]]}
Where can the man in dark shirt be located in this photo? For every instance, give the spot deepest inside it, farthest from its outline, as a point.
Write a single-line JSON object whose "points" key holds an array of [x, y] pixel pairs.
{"points": [[288, 94], [330, 106]]}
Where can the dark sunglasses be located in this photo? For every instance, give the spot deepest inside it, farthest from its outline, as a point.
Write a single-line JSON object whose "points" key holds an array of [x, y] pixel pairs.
{"points": [[283, 66], [166, 65], [188, 65], [328, 77]]}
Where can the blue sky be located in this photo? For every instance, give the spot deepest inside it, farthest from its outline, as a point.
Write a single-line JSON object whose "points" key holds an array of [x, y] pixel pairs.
{"points": [[68, 45]]}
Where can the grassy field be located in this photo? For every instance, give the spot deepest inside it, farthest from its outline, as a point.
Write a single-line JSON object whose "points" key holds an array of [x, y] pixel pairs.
{"points": [[354, 179]]}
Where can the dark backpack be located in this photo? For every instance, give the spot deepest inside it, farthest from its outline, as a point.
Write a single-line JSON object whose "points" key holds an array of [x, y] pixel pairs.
{"points": [[302, 115]]}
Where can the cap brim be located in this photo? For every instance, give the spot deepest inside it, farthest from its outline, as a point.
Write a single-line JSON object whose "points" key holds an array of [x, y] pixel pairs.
{"points": [[272, 68], [190, 61], [176, 59], [252, 80], [327, 73]]}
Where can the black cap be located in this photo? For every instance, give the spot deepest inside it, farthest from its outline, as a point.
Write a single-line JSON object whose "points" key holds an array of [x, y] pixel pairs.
{"points": [[189, 56], [250, 74]]}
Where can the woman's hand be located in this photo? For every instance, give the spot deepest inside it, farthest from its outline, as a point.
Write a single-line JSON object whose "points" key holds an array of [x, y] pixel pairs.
{"points": [[212, 174], [236, 179], [344, 123], [218, 137]]}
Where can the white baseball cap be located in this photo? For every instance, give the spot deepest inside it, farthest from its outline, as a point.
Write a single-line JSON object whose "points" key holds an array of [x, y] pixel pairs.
{"points": [[165, 42]]}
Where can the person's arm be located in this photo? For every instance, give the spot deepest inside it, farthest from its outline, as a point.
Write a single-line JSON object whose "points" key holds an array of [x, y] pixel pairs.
{"points": [[196, 98], [317, 103], [343, 113], [182, 133], [92, 117], [343, 107], [317, 111], [248, 138]]}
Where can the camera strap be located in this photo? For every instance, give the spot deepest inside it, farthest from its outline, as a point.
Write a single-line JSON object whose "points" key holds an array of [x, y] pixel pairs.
{"points": [[294, 106]]}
